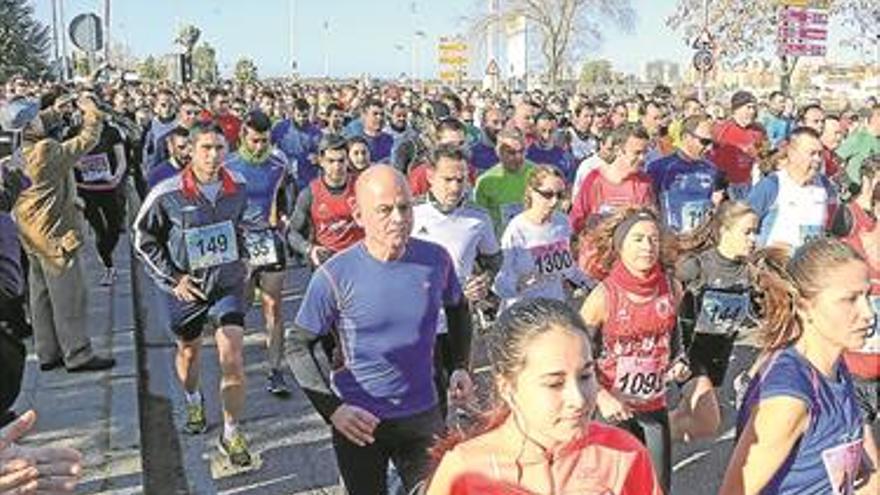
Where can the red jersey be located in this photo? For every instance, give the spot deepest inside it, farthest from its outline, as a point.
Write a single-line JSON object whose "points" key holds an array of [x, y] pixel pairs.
{"points": [[599, 196], [334, 225], [832, 163], [737, 149], [865, 363], [636, 346], [230, 124]]}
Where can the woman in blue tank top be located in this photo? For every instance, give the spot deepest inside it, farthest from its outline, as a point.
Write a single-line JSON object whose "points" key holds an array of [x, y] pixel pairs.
{"points": [[800, 429]]}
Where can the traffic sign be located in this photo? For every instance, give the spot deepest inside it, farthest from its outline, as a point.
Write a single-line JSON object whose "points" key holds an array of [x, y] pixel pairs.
{"points": [[453, 60], [704, 41], [704, 61], [86, 32], [803, 28], [802, 50]]}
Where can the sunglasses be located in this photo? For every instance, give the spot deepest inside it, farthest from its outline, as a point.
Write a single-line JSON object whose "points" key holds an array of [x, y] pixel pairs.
{"points": [[548, 195], [705, 141]]}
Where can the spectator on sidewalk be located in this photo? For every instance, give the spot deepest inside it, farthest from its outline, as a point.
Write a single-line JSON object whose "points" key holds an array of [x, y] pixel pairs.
{"points": [[51, 231]]}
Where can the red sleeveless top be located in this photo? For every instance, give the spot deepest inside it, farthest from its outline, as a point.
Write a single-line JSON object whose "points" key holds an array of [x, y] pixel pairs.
{"points": [[334, 225], [636, 346]]}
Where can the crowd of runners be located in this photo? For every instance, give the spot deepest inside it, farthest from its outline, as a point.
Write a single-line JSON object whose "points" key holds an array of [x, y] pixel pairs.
{"points": [[594, 250]]}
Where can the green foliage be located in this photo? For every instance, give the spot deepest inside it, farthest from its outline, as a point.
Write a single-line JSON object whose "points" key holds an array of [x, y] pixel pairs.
{"points": [[24, 41]]}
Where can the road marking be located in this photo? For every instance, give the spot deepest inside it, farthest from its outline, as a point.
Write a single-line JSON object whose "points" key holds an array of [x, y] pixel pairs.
{"points": [[690, 460]]}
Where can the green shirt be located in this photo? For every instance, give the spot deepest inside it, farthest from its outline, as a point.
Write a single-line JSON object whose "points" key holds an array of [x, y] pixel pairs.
{"points": [[855, 149], [501, 193]]}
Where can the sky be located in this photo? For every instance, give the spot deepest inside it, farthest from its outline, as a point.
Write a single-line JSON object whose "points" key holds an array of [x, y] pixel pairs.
{"points": [[345, 37]]}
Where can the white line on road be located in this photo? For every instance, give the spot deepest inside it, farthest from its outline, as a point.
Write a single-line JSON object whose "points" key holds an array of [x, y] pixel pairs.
{"points": [[690, 460]]}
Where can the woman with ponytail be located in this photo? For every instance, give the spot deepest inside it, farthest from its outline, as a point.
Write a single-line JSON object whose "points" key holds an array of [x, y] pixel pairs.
{"points": [[716, 309], [800, 429], [539, 438], [632, 318]]}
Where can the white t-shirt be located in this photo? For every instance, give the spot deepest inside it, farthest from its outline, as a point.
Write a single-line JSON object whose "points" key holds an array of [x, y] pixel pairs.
{"points": [[465, 232], [540, 252]]}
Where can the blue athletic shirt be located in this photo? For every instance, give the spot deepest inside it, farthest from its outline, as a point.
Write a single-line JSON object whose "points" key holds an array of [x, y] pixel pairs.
{"points": [[684, 188], [827, 457], [386, 316], [265, 181]]}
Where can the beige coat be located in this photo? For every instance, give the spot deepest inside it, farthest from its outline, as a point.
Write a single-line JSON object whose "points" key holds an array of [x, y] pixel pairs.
{"points": [[49, 223]]}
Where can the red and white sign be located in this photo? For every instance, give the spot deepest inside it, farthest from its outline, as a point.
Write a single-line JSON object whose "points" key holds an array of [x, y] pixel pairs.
{"points": [[803, 29]]}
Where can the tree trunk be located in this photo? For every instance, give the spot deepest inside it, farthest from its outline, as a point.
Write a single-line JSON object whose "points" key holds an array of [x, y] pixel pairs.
{"points": [[788, 65]]}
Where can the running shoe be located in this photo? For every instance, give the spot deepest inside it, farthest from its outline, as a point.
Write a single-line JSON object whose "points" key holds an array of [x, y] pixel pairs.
{"points": [[196, 423], [236, 450], [276, 385]]}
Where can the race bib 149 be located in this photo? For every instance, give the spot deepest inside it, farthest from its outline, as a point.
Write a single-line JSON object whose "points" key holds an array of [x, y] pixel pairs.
{"points": [[211, 245]]}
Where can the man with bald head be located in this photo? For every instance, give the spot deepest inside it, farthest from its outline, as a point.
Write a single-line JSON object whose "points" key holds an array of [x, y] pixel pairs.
{"points": [[381, 297]]}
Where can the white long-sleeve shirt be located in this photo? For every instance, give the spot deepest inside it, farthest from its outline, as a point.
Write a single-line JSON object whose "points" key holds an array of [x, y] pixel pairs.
{"points": [[541, 253]]}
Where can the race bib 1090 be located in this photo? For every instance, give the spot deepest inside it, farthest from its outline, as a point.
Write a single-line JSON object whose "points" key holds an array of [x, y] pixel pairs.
{"points": [[211, 245], [640, 378]]}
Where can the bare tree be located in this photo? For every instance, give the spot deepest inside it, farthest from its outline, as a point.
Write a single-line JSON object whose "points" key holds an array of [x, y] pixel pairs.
{"points": [[561, 28], [745, 28]]}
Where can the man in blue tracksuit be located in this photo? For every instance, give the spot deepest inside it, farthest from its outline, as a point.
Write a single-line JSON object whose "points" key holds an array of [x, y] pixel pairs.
{"points": [[189, 233]]}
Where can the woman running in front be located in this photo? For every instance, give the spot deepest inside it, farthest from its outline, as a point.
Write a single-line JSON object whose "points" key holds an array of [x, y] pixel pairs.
{"points": [[536, 245], [632, 317], [539, 439], [717, 308], [800, 428]]}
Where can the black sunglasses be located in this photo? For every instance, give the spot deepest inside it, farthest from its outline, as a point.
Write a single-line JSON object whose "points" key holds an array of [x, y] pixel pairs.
{"points": [[705, 141], [548, 195]]}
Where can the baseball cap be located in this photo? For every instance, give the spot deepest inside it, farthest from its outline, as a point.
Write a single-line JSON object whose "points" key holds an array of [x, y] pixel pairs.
{"points": [[741, 98]]}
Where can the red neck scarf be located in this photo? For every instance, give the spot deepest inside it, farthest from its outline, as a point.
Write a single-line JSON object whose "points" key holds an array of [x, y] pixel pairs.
{"points": [[644, 287]]}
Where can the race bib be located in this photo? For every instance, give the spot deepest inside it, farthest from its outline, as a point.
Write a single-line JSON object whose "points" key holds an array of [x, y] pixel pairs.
{"points": [[94, 168], [211, 245], [552, 258], [640, 378], [872, 341], [842, 466], [508, 211], [807, 233], [693, 213], [261, 248], [739, 192], [722, 312]]}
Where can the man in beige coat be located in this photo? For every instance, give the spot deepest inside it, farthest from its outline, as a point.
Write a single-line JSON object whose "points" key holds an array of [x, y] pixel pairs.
{"points": [[51, 231]]}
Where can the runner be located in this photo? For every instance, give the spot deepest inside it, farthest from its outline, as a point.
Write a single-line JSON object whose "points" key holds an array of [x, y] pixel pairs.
{"points": [[358, 154], [298, 138], [500, 190], [220, 113], [796, 203], [739, 144], [100, 179], [857, 215], [189, 235], [180, 153], [619, 184], [777, 125], [483, 152], [687, 185], [583, 143], [800, 429], [537, 246], [602, 157], [538, 437], [450, 132], [263, 169], [716, 309], [631, 314], [545, 149], [831, 137], [163, 121], [379, 142], [863, 142], [446, 217], [382, 404], [322, 223]]}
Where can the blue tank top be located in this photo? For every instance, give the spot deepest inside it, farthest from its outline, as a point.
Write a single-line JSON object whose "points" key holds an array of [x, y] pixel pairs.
{"points": [[827, 457], [264, 183]]}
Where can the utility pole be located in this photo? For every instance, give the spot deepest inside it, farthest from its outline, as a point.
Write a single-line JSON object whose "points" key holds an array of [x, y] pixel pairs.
{"points": [[413, 48], [292, 34], [701, 92], [106, 31], [326, 49], [62, 22], [56, 50]]}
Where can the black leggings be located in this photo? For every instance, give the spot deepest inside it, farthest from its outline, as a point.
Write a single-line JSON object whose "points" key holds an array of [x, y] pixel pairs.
{"points": [[105, 212], [404, 441], [652, 429]]}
